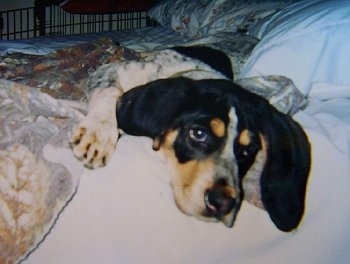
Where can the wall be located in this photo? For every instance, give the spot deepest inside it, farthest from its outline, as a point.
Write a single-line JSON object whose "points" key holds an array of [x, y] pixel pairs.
{"points": [[16, 24], [14, 4]]}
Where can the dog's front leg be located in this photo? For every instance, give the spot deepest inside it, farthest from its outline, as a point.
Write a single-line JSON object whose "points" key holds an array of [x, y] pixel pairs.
{"points": [[95, 137]]}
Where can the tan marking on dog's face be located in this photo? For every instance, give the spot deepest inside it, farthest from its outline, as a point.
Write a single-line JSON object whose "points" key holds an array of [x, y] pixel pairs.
{"points": [[190, 173], [191, 180], [170, 138], [263, 144], [188, 180], [218, 127], [245, 138]]}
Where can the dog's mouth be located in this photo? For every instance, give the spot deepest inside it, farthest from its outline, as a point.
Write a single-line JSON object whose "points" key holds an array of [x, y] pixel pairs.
{"points": [[221, 202]]}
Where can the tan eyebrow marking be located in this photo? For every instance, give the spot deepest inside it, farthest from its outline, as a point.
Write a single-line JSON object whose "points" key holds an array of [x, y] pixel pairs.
{"points": [[245, 137], [218, 127]]}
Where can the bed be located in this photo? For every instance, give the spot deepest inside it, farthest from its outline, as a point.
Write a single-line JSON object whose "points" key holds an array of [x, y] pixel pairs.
{"points": [[53, 210]]}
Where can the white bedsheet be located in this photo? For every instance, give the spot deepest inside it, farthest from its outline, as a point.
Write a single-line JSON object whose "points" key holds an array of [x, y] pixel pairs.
{"points": [[124, 213], [142, 39], [45, 45]]}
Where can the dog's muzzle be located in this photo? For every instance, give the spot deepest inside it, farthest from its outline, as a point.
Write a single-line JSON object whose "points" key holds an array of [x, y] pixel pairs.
{"points": [[221, 202]]}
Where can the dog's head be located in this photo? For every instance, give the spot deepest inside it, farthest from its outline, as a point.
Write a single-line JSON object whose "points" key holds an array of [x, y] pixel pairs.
{"points": [[214, 134]]}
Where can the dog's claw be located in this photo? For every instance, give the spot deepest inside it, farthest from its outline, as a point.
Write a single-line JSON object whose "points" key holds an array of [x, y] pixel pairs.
{"points": [[93, 141]]}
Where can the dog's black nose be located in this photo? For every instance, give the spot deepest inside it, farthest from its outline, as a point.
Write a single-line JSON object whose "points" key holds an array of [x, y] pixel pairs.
{"points": [[219, 202]]}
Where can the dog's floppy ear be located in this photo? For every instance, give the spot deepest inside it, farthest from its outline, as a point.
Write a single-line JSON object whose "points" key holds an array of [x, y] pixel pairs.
{"points": [[284, 179], [149, 109]]}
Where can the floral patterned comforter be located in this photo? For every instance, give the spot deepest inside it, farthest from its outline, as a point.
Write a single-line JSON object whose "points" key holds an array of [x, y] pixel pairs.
{"points": [[62, 74]]}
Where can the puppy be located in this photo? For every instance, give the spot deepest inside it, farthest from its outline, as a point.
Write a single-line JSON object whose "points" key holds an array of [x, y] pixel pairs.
{"points": [[215, 135]]}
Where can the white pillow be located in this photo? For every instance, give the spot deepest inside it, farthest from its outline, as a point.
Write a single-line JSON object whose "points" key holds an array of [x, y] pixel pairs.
{"points": [[307, 42]]}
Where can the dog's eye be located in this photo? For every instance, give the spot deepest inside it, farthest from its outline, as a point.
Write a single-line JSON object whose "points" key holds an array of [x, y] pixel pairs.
{"points": [[246, 152], [199, 135]]}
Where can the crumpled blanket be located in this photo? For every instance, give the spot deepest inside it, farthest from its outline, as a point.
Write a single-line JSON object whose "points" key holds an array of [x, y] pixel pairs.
{"points": [[33, 190], [38, 109]]}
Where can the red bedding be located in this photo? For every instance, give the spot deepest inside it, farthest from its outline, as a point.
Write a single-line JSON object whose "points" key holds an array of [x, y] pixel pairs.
{"points": [[106, 6]]}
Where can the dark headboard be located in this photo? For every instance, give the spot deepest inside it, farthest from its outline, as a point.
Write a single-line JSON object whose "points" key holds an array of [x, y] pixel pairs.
{"points": [[60, 17]]}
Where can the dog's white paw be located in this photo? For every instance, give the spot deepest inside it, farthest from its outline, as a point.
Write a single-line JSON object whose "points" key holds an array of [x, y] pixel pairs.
{"points": [[94, 140]]}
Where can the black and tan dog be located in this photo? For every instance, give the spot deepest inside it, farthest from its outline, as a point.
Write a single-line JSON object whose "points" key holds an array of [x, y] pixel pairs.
{"points": [[214, 134]]}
